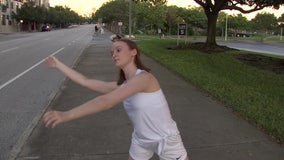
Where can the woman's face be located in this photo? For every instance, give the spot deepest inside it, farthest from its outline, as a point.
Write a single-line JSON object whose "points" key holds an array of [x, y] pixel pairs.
{"points": [[122, 55]]}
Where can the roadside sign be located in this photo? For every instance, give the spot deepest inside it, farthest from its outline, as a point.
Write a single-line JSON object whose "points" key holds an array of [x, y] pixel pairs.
{"points": [[182, 29], [182, 32]]}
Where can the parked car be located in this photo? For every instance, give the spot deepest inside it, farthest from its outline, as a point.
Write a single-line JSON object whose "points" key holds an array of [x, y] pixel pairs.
{"points": [[45, 28]]}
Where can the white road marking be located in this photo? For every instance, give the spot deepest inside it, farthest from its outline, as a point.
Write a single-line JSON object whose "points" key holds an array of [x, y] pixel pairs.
{"points": [[10, 49], [26, 71]]}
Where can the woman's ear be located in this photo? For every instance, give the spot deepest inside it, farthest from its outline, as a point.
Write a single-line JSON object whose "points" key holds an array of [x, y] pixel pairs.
{"points": [[134, 52]]}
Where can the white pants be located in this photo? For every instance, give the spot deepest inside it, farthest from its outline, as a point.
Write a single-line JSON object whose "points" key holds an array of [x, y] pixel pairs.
{"points": [[169, 148]]}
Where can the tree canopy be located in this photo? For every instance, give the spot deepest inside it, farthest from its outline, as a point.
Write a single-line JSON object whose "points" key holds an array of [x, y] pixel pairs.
{"points": [[151, 16], [264, 22], [213, 7], [153, 2], [146, 15], [32, 14], [281, 20]]}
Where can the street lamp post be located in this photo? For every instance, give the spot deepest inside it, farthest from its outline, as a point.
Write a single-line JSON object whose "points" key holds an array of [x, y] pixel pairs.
{"points": [[226, 29], [130, 17], [21, 25], [281, 33], [120, 24]]}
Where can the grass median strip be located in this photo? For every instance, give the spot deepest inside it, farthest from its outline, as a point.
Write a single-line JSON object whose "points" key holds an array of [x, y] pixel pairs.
{"points": [[258, 95]]}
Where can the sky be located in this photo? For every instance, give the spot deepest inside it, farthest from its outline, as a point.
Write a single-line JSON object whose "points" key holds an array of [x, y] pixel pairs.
{"points": [[86, 7]]}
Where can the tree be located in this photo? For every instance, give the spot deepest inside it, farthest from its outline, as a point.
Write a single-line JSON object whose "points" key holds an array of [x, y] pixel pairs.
{"points": [[195, 17], [40, 14], [281, 21], [235, 23], [238, 22], [153, 2], [172, 18], [264, 22], [213, 7], [106, 13], [153, 17], [37, 15], [144, 14], [30, 14], [53, 16], [221, 24]]}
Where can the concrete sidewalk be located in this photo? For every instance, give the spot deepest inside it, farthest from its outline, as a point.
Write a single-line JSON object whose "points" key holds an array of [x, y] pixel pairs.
{"points": [[209, 130]]}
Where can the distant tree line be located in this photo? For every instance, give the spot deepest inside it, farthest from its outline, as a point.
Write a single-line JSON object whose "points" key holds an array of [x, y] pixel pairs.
{"points": [[34, 16], [153, 16], [148, 18], [212, 9]]}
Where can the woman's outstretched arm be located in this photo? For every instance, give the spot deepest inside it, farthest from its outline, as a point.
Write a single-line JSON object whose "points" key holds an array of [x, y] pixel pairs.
{"points": [[143, 83], [93, 84]]}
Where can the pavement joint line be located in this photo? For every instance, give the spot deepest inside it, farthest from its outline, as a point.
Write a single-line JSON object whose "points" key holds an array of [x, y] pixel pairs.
{"points": [[73, 155], [229, 144]]}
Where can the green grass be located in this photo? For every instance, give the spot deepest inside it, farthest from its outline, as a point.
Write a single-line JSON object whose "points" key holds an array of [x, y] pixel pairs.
{"points": [[256, 94]]}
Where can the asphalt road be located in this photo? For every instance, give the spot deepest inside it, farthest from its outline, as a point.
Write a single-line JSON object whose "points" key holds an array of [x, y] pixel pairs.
{"points": [[274, 48], [27, 84]]}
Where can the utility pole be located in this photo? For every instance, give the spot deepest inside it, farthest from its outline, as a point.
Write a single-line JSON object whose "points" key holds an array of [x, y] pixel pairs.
{"points": [[281, 33], [226, 29], [130, 17]]}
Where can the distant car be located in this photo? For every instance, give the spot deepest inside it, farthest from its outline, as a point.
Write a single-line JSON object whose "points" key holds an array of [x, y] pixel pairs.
{"points": [[45, 28]]}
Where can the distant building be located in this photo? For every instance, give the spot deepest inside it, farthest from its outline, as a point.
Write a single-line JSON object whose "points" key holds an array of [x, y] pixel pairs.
{"points": [[7, 7], [42, 3]]}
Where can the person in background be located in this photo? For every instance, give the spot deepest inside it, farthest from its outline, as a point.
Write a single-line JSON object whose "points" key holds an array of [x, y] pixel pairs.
{"points": [[102, 30], [96, 28], [115, 37], [154, 129]]}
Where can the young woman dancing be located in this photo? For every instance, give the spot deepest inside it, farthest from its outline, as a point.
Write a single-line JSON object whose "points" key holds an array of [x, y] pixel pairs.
{"points": [[154, 129]]}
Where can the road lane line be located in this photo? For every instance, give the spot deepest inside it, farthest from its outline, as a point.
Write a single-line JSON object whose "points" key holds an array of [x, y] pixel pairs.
{"points": [[10, 49], [26, 71]]}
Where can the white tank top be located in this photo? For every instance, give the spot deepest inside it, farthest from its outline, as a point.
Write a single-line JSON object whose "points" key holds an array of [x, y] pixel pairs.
{"points": [[150, 115]]}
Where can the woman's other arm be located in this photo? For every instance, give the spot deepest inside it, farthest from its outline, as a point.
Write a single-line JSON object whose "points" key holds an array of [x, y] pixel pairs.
{"points": [[143, 83]]}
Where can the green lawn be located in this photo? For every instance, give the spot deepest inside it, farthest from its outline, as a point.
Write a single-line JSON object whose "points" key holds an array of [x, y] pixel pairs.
{"points": [[255, 94]]}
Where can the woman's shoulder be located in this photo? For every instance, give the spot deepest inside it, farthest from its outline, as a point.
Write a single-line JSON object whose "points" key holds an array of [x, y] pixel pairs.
{"points": [[145, 74], [149, 80]]}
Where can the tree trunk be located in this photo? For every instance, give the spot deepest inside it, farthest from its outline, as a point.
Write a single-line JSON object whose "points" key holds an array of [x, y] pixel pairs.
{"points": [[34, 26], [211, 29], [30, 26]]}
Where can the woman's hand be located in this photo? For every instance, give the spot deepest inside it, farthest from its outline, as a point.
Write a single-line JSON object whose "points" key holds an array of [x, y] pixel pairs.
{"points": [[53, 118], [51, 61]]}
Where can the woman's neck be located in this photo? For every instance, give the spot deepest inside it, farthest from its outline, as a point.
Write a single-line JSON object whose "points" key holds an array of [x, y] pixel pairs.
{"points": [[130, 72]]}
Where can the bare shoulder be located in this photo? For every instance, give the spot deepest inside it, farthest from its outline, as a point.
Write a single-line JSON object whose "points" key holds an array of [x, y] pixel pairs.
{"points": [[149, 80], [146, 76]]}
